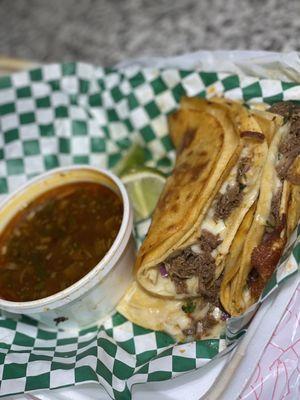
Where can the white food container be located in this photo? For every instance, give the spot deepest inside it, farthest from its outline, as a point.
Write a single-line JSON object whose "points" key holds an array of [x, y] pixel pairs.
{"points": [[94, 296]]}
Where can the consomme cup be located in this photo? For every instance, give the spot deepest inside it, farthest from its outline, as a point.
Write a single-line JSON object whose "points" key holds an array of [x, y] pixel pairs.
{"points": [[93, 297]]}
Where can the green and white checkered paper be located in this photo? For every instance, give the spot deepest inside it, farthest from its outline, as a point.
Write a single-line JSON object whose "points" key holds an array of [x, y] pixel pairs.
{"points": [[75, 113]]}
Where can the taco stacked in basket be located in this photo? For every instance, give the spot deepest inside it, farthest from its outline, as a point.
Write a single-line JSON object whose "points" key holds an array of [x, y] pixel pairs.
{"points": [[223, 219]]}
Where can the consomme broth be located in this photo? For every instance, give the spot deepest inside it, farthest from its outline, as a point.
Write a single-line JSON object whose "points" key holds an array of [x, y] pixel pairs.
{"points": [[57, 239]]}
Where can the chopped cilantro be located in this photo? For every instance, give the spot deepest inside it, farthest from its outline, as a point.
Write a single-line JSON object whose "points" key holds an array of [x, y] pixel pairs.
{"points": [[189, 307]]}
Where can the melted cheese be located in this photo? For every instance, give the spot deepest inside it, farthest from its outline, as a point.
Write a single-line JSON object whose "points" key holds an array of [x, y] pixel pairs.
{"points": [[166, 287], [218, 227], [215, 227], [217, 313]]}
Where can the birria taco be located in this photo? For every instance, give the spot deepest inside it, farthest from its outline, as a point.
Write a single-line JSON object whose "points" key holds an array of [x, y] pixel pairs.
{"points": [[258, 246], [192, 265]]}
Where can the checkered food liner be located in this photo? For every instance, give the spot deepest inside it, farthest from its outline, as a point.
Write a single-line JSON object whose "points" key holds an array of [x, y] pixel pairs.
{"points": [[76, 113]]}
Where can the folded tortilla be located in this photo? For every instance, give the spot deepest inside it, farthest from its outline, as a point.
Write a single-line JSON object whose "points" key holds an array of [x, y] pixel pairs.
{"points": [[170, 271], [258, 246], [167, 315], [205, 155], [232, 264]]}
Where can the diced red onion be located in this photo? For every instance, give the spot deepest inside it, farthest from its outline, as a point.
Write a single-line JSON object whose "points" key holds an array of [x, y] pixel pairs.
{"points": [[163, 271], [224, 316]]}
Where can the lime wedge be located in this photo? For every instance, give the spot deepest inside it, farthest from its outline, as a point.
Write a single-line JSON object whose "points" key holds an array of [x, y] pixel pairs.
{"points": [[135, 157], [144, 186]]}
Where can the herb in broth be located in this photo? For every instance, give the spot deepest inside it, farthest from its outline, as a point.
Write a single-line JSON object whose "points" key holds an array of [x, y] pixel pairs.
{"points": [[57, 239]]}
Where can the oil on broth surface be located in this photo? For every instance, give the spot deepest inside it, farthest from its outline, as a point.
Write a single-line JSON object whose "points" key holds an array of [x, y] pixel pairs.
{"points": [[57, 239]]}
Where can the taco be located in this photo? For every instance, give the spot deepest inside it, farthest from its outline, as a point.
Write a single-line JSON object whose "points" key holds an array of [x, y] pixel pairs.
{"points": [[192, 267], [254, 256]]}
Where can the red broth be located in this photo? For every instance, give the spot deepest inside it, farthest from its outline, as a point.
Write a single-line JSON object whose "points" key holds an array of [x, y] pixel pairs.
{"points": [[57, 239]]}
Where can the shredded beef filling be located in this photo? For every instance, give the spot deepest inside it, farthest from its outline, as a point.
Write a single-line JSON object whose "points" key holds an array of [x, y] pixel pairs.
{"points": [[208, 323], [233, 195], [289, 147], [208, 241], [227, 201], [274, 217], [198, 329], [283, 108], [187, 264], [287, 158], [203, 327]]}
